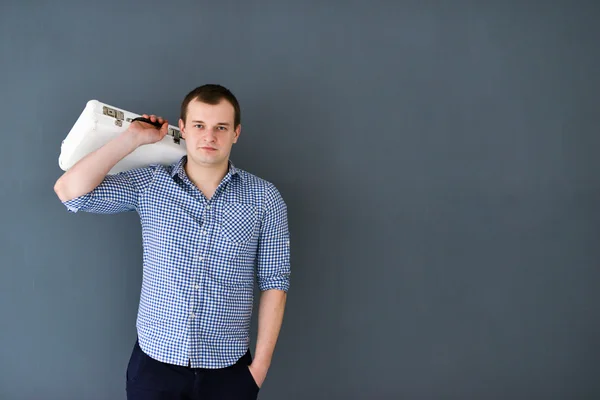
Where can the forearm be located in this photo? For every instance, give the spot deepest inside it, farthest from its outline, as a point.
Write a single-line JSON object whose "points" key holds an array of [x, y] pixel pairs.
{"points": [[270, 318], [89, 172]]}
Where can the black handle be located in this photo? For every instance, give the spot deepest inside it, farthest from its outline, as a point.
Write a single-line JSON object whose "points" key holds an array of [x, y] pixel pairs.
{"points": [[148, 120]]}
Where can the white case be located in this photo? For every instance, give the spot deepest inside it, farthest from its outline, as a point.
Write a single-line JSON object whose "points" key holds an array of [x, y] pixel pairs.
{"points": [[99, 123]]}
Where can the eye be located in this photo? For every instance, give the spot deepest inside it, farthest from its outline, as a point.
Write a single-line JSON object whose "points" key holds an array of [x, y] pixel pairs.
{"points": [[222, 128], [199, 126]]}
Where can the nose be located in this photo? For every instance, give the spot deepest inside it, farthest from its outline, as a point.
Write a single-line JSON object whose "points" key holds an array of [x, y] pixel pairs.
{"points": [[209, 135]]}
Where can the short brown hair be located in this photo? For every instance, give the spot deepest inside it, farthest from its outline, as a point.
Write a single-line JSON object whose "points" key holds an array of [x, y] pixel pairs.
{"points": [[211, 94]]}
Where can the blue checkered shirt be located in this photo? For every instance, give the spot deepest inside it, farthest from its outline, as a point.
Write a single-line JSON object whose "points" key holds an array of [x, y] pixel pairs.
{"points": [[200, 257]]}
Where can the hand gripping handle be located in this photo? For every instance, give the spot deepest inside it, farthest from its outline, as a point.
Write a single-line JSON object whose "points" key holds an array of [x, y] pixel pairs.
{"points": [[147, 120]]}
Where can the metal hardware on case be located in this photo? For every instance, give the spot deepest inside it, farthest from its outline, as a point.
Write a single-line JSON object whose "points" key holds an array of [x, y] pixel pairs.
{"points": [[111, 112], [176, 135]]}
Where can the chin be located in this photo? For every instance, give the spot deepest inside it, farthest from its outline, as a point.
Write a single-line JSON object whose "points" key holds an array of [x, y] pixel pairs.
{"points": [[203, 159]]}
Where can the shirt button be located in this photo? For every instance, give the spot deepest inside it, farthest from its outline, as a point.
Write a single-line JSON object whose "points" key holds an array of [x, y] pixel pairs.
{"points": [[197, 287], [192, 315]]}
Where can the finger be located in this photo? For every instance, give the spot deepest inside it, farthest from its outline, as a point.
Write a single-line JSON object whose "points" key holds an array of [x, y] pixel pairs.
{"points": [[145, 115], [164, 128]]}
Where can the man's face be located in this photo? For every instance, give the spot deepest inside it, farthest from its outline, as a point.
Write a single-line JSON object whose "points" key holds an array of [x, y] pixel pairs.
{"points": [[209, 132]]}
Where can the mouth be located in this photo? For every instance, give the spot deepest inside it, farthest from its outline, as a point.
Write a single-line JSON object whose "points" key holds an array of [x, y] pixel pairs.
{"points": [[206, 148]]}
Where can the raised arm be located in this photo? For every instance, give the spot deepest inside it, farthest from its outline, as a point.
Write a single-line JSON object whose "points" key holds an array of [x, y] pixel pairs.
{"points": [[91, 170]]}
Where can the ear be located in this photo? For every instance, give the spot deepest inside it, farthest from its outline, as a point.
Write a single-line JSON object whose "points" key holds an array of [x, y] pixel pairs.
{"points": [[237, 132], [182, 128]]}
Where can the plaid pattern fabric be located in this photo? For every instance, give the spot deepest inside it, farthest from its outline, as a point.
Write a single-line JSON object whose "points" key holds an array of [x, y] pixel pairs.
{"points": [[200, 257]]}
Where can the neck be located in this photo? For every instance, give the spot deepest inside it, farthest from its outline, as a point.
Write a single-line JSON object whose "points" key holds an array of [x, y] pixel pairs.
{"points": [[206, 177]]}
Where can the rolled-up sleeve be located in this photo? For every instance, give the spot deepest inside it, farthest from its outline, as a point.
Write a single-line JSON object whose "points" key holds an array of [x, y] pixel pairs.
{"points": [[116, 193], [273, 263]]}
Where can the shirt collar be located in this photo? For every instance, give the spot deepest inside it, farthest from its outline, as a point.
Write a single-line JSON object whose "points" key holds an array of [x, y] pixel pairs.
{"points": [[178, 168]]}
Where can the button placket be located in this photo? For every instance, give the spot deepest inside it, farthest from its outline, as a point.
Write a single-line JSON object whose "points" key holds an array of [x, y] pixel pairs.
{"points": [[203, 239]]}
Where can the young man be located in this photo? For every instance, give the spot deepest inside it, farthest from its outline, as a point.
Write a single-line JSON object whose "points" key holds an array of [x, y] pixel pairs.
{"points": [[209, 230]]}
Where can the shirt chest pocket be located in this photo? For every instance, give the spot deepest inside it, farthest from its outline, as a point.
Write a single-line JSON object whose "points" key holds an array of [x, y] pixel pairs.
{"points": [[238, 222]]}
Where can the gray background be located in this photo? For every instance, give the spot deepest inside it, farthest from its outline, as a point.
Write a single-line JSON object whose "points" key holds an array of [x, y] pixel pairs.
{"points": [[439, 160]]}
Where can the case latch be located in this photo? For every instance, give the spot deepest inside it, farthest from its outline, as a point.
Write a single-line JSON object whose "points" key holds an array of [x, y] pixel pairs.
{"points": [[111, 112], [176, 135]]}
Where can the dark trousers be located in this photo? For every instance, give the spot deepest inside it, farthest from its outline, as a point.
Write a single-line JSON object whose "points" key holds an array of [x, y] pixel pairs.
{"points": [[149, 379]]}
